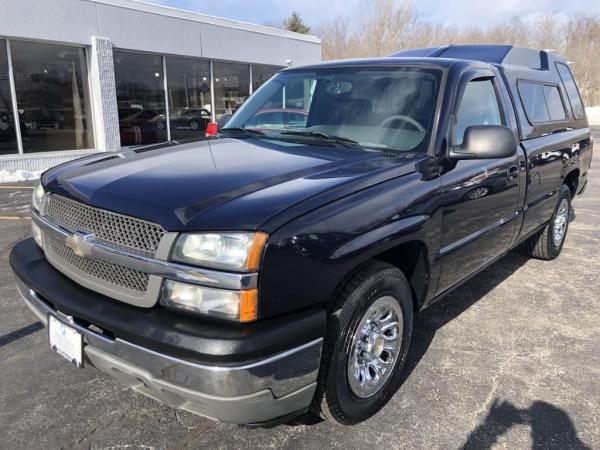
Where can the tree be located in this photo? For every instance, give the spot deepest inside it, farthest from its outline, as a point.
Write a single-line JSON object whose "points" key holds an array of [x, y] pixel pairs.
{"points": [[381, 27], [294, 23]]}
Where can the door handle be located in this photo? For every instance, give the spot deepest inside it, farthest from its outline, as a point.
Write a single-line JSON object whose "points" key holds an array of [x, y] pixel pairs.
{"points": [[513, 172]]}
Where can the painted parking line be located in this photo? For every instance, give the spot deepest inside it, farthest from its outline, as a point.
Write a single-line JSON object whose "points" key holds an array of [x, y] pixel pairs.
{"points": [[14, 218], [16, 187]]}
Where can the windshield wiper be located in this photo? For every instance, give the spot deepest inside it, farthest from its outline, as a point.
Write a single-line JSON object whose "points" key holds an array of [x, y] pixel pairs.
{"points": [[320, 135], [246, 131]]}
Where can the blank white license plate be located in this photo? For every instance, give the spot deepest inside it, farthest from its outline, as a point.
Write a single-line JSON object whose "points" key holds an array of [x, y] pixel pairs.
{"points": [[65, 340]]}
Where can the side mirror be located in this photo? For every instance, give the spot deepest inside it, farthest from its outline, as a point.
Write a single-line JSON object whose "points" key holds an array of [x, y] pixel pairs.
{"points": [[485, 142]]}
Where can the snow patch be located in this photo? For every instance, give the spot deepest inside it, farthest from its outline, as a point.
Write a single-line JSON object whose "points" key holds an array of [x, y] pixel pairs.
{"points": [[19, 175], [593, 114]]}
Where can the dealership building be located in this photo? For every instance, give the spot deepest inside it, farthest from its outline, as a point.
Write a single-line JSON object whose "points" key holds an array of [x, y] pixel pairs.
{"points": [[85, 76]]}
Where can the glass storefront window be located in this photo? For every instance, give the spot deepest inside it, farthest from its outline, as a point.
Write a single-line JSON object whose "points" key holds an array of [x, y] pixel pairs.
{"points": [[188, 85], [52, 96], [261, 74], [8, 137], [140, 98], [232, 88]]}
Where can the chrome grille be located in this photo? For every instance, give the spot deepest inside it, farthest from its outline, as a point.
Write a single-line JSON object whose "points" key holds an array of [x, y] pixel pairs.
{"points": [[112, 228], [105, 271]]}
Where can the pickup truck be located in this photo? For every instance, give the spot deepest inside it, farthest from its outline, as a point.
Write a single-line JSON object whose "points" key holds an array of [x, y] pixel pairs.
{"points": [[277, 267]]}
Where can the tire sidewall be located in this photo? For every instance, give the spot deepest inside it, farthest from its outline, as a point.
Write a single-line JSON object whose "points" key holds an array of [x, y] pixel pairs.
{"points": [[554, 250], [384, 283]]}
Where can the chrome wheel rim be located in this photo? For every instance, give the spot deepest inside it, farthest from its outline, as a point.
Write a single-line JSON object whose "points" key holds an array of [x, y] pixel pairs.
{"points": [[561, 221], [375, 347]]}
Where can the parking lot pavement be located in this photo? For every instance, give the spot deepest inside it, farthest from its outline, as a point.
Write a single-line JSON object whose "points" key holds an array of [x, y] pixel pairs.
{"points": [[509, 360]]}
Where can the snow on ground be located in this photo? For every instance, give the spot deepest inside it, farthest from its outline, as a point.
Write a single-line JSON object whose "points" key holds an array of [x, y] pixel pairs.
{"points": [[19, 175], [593, 114]]}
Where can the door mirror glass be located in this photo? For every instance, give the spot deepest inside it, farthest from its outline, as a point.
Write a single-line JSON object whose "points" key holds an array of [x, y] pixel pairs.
{"points": [[485, 142]]}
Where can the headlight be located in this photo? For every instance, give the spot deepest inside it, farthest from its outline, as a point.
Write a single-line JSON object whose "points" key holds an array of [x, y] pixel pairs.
{"points": [[233, 305], [37, 196], [239, 252]]}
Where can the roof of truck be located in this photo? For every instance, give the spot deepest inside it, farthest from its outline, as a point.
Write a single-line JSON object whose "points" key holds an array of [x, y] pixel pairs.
{"points": [[505, 55], [508, 57], [417, 61]]}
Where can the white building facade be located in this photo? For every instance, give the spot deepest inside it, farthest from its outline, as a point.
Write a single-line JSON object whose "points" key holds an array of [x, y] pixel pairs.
{"points": [[85, 76]]}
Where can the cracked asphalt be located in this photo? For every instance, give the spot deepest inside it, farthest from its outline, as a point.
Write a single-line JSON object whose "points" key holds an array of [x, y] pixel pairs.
{"points": [[510, 360]]}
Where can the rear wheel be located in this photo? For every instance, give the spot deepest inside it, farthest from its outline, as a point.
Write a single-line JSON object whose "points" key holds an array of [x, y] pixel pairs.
{"points": [[366, 344], [548, 243]]}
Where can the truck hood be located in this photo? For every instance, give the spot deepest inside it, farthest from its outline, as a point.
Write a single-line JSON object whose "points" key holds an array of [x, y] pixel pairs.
{"points": [[223, 184]]}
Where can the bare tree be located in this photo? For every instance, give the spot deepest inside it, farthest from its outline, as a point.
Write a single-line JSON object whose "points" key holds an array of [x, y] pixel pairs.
{"points": [[335, 36], [385, 26]]}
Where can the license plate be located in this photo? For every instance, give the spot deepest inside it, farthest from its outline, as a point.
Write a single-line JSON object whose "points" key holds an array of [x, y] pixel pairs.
{"points": [[65, 340]]}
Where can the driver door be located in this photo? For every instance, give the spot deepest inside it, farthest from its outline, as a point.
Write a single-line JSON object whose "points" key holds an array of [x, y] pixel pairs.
{"points": [[480, 197]]}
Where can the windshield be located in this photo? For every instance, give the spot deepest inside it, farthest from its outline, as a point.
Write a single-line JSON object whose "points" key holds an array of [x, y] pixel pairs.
{"points": [[380, 108]]}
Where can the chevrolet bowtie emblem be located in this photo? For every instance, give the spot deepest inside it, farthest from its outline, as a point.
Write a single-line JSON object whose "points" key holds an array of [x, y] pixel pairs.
{"points": [[80, 243]]}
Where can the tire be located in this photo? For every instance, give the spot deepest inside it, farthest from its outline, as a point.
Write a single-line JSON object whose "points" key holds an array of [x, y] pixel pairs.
{"points": [[340, 397], [547, 243]]}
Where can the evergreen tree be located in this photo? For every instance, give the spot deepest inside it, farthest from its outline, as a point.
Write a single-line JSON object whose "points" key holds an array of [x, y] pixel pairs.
{"points": [[295, 23]]}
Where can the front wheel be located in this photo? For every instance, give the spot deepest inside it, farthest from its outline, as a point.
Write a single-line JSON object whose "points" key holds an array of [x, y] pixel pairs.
{"points": [[366, 345], [548, 243]]}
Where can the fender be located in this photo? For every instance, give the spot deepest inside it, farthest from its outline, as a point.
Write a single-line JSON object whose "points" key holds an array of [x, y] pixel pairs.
{"points": [[306, 259]]}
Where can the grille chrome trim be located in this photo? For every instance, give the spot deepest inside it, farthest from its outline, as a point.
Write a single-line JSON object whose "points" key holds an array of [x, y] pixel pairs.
{"points": [[178, 272], [101, 270]]}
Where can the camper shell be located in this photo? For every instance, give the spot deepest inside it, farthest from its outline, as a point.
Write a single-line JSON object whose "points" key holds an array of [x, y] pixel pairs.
{"points": [[518, 66]]}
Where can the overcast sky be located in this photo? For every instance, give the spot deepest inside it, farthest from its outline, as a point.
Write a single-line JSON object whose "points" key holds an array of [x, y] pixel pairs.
{"points": [[451, 12]]}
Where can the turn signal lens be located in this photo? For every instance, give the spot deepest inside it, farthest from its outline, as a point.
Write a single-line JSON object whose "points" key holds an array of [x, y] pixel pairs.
{"points": [[249, 305], [256, 251]]}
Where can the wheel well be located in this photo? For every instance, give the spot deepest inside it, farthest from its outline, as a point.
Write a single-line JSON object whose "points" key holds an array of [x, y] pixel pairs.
{"points": [[572, 181], [411, 258]]}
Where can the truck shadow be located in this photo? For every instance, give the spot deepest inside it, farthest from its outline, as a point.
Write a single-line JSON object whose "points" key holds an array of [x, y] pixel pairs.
{"points": [[455, 303], [551, 427]]}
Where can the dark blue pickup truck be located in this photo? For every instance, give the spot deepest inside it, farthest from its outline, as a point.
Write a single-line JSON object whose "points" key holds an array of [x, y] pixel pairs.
{"points": [[277, 268]]}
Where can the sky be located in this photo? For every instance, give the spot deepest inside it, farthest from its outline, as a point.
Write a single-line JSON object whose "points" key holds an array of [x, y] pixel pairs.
{"points": [[449, 12]]}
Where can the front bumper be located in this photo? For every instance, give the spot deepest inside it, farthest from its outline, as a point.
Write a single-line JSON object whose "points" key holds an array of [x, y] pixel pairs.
{"points": [[251, 392]]}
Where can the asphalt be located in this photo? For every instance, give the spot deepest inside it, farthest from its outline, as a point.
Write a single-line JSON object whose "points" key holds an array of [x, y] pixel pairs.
{"points": [[510, 360]]}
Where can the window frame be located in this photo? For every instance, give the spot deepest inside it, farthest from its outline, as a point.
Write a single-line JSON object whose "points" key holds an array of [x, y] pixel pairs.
{"points": [[168, 99], [520, 81], [89, 102], [164, 95]]}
